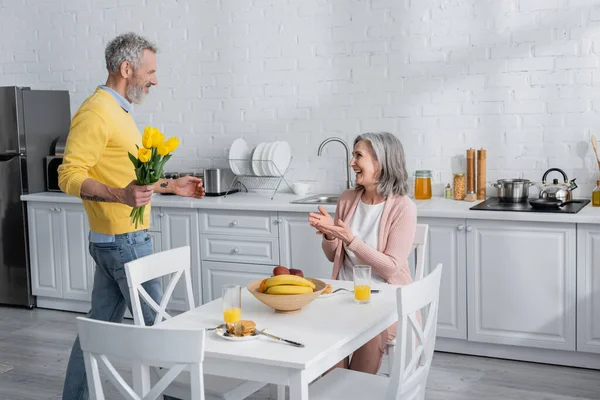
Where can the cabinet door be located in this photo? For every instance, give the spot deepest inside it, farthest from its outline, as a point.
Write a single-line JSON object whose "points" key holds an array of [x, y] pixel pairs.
{"points": [[446, 244], [300, 246], [588, 288], [46, 278], [180, 228], [521, 283], [217, 274], [76, 262]]}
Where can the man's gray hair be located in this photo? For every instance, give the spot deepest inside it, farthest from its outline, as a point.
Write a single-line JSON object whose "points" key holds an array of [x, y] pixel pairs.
{"points": [[126, 47], [388, 151]]}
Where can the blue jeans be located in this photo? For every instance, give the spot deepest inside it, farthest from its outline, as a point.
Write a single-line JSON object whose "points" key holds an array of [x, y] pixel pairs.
{"points": [[110, 295]]}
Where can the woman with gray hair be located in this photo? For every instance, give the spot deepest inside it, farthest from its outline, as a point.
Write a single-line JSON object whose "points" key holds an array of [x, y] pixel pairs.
{"points": [[374, 224]]}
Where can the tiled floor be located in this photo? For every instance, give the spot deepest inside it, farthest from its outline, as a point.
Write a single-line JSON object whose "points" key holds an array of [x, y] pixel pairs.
{"points": [[37, 344]]}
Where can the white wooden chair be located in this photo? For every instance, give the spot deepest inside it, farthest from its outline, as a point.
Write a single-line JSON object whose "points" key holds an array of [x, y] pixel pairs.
{"points": [[176, 263], [419, 245], [178, 349], [413, 361]]}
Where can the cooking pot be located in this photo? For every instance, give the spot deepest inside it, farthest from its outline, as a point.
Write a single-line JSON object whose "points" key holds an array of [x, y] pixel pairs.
{"points": [[555, 190], [513, 190], [551, 204]]}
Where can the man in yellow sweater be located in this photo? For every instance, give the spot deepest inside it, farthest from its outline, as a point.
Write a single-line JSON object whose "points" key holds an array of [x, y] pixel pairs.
{"points": [[97, 169]]}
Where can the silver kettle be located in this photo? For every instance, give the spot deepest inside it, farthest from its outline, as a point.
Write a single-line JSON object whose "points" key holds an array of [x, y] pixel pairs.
{"points": [[560, 191]]}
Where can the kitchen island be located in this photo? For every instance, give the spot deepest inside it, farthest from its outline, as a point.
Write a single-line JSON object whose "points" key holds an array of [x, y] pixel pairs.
{"points": [[519, 285]]}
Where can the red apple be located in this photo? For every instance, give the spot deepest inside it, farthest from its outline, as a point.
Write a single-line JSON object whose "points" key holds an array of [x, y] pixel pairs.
{"points": [[280, 270], [297, 272]]}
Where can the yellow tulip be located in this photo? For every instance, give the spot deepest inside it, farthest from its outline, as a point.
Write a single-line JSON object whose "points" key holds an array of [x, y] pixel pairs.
{"points": [[147, 137], [168, 146], [152, 137], [144, 154], [157, 138]]}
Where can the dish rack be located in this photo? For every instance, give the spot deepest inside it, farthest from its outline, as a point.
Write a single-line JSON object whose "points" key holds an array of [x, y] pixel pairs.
{"points": [[250, 180]]}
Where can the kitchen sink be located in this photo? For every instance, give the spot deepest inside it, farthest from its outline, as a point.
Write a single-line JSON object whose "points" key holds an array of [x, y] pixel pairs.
{"points": [[319, 199]]}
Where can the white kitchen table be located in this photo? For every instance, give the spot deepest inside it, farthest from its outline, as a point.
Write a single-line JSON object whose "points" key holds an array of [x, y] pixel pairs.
{"points": [[331, 328]]}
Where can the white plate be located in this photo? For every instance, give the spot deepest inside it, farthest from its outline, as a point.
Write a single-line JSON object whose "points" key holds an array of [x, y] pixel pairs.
{"points": [[270, 169], [221, 332], [240, 151], [264, 164], [256, 165], [267, 156], [281, 158]]}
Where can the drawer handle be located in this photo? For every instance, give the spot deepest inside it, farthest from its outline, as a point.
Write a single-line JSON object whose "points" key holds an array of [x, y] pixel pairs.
{"points": [[58, 210], [236, 250], [460, 227], [234, 223], [469, 229]]}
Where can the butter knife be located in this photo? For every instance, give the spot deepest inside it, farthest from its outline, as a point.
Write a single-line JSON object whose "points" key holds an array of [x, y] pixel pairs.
{"points": [[278, 338]]}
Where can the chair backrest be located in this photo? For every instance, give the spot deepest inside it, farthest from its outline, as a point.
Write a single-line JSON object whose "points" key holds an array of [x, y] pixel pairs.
{"points": [[420, 243], [412, 360], [176, 348], [175, 263]]}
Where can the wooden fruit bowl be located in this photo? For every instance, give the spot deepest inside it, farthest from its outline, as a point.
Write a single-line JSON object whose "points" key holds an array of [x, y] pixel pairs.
{"points": [[286, 303]]}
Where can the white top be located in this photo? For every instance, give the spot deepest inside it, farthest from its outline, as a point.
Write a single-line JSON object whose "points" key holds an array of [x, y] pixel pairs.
{"points": [[365, 226]]}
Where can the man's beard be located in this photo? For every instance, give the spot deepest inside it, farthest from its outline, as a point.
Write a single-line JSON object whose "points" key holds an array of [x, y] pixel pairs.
{"points": [[135, 93]]}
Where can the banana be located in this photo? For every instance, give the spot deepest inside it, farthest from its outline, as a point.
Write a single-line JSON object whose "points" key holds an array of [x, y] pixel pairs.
{"points": [[288, 280], [289, 289]]}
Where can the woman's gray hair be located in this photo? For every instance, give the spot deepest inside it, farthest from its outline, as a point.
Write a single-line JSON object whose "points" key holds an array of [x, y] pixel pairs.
{"points": [[126, 47], [388, 151]]}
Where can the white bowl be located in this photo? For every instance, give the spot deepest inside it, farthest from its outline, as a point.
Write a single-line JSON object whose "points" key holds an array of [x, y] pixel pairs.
{"points": [[300, 188]]}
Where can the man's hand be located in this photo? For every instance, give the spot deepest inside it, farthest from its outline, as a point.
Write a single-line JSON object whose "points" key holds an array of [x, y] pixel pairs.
{"points": [[135, 195], [188, 186]]}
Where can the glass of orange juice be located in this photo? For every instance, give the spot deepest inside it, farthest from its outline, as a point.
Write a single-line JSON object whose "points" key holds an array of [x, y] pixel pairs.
{"points": [[362, 284], [232, 303]]}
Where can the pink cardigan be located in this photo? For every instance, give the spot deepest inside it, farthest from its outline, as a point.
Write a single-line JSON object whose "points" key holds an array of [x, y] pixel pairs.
{"points": [[396, 237]]}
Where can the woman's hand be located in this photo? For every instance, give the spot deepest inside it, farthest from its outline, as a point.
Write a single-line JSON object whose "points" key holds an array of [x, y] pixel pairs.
{"points": [[325, 226]]}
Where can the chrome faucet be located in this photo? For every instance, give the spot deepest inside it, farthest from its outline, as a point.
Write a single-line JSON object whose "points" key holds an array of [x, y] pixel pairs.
{"points": [[337, 139]]}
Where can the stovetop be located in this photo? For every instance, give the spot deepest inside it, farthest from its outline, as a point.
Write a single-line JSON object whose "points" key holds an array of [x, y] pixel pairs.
{"points": [[493, 204]]}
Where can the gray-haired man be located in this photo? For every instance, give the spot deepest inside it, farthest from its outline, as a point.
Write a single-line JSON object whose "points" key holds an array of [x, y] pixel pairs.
{"points": [[97, 169]]}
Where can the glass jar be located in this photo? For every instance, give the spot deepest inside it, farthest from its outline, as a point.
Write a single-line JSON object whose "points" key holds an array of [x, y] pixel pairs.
{"points": [[596, 195], [448, 192], [422, 184], [459, 186]]}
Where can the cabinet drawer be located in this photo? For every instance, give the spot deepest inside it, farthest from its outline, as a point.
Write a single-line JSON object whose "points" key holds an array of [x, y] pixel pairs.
{"points": [[240, 249], [215, 275], [255, 223]]}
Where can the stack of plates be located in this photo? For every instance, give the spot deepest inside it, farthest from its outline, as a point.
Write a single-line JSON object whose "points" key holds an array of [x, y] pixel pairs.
{"points": [[267, 159]]}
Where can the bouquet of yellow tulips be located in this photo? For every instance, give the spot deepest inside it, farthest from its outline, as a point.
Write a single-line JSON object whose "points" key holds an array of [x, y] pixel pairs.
{"points": [[149, 163]]}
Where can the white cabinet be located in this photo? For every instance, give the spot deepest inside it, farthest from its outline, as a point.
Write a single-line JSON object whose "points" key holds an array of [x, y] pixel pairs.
{"points": [[179, 227], [237, 247], [61, 266], [521, 283], [217, 274], [446, 244], [588, 288], [46, 276], [300, 246]]}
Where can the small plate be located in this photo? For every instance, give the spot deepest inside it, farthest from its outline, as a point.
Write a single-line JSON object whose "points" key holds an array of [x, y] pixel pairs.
{"points": [[220, 332]]}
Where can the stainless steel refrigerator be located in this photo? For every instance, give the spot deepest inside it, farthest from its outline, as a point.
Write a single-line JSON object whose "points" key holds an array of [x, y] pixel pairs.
{"points": [[29, 122]]}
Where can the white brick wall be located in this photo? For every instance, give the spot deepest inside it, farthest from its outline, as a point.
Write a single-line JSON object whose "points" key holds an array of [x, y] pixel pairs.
{"points": [[519, 78]]}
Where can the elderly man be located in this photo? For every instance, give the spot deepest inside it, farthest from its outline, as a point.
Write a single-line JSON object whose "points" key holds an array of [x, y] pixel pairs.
{"points": [[97, 169]]}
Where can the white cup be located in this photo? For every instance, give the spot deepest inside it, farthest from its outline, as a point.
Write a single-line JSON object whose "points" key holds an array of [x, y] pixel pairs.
{"points": [[300, 188]]}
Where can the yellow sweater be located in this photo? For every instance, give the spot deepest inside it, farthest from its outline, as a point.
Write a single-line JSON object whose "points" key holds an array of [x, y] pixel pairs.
{"points": [[101, 134]]}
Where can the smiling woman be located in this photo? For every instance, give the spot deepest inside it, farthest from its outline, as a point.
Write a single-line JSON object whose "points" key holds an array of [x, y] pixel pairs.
{"points": [[374, 225]]}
